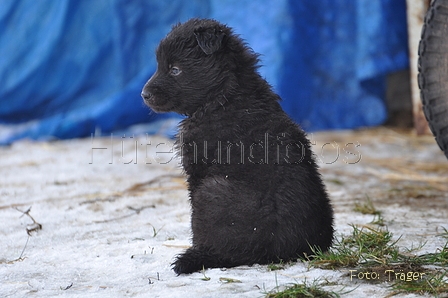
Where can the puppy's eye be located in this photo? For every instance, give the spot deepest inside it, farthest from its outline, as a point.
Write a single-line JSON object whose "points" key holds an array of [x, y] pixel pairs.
{"points": [[174, 71]]}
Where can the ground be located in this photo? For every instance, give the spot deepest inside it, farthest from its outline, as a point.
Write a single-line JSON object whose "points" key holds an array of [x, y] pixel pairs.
{"points": [[102, 217]]}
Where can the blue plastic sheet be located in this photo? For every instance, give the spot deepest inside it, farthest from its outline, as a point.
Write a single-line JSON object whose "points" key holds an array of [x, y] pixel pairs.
{"points": [[72, 67]]}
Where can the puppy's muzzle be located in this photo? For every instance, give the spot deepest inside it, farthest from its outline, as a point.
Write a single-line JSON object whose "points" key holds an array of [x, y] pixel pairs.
{"points": [[148, 98], [146, 94]]}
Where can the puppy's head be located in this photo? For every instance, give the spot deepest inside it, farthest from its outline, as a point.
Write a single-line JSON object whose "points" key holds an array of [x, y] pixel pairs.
{"points": [[195, 64]]}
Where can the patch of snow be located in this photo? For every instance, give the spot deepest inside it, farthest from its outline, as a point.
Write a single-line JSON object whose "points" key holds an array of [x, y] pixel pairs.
{"points": [[115, 212]]}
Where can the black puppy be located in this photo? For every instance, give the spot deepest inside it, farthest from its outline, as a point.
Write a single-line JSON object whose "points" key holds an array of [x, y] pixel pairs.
{"points": [[256, 195]]}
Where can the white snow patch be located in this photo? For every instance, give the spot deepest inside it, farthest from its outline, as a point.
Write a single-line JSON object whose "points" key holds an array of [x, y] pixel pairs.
{"points": [[114, 218]]}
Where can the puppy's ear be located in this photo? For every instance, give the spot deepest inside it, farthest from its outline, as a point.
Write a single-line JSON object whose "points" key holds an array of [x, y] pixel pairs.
{"points": [[209, 39]]}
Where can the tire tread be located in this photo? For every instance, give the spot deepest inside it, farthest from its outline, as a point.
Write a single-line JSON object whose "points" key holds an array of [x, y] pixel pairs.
{"points": [[433, 71]]}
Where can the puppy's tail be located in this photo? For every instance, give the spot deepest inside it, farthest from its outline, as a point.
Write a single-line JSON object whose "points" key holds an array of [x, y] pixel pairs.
{"points": [[194, 259]]}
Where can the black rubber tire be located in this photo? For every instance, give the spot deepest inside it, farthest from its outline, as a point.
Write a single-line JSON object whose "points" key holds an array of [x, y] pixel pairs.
{"points": [[433, 71]]}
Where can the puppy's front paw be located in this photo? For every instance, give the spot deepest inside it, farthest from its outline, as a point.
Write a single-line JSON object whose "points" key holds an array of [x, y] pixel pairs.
{"points": [[186, 263]]}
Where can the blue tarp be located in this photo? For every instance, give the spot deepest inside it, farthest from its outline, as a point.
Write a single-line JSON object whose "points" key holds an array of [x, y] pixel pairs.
{"points": [[69, 68]]}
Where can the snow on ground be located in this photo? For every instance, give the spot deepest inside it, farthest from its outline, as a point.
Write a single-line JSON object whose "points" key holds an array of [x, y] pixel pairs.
{"points": [[115, 212]]}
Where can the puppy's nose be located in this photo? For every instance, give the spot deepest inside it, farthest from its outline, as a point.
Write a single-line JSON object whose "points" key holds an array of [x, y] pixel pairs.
{"points": [[145, 95]]}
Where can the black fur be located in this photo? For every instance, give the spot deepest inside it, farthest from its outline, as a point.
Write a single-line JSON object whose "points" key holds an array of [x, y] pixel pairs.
{"points": [[256, 195]]}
